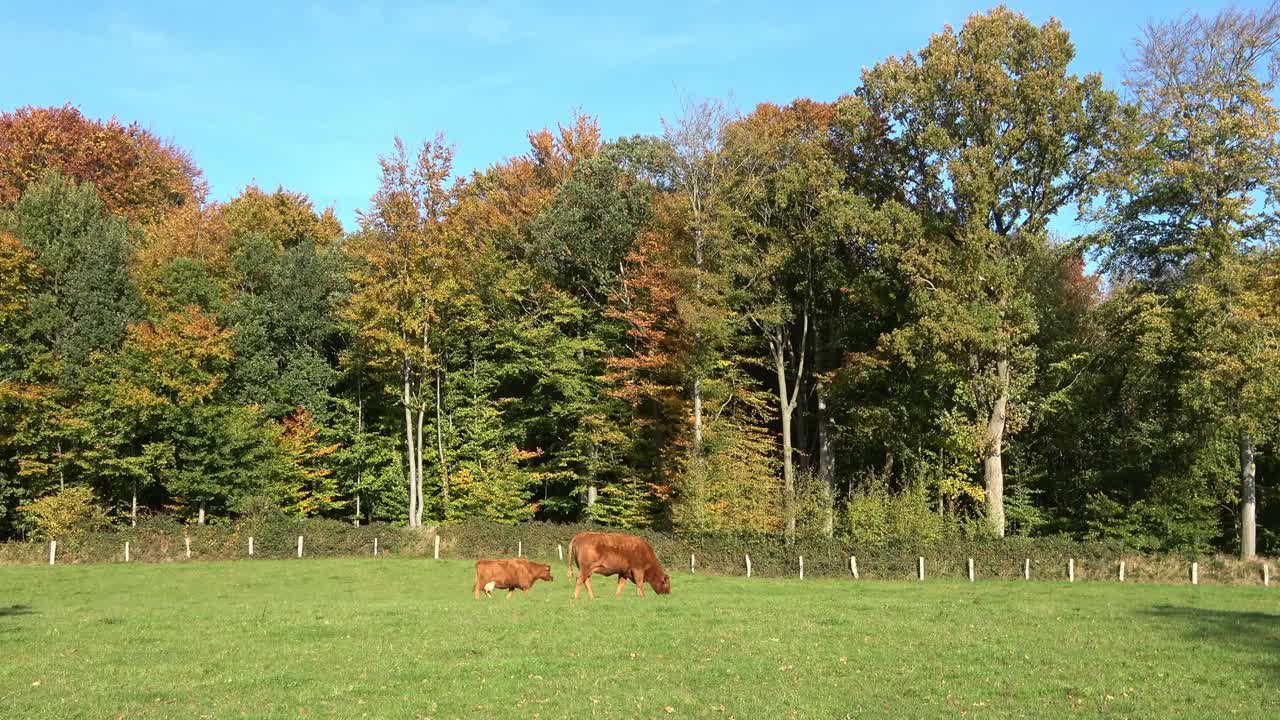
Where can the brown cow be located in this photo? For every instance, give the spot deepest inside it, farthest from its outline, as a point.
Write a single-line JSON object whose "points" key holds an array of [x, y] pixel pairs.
{"points": [[627, 556], [510, 573]]}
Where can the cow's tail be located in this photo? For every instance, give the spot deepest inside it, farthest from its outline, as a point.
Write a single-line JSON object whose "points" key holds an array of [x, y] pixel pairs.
{"points": [[569, 559]]}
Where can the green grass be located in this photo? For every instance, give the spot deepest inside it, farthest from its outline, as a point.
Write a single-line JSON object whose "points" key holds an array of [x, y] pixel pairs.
{"points": [[405, 639]]}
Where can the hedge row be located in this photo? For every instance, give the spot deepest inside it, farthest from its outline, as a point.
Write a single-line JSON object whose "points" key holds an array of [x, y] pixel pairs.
{"points": [[162, 541], [277, 538], [770, 557]]}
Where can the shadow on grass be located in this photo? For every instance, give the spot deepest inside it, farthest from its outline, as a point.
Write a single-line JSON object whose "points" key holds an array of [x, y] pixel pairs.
{"points": [[16, 610], [12, 611], [1257, 633]]}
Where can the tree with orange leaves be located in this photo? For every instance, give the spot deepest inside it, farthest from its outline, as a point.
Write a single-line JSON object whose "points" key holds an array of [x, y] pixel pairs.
{"points": [[309, 488], [136, 174]]}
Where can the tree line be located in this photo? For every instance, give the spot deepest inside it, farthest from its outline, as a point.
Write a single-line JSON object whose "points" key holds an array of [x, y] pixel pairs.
{"points": [[823, 318]]}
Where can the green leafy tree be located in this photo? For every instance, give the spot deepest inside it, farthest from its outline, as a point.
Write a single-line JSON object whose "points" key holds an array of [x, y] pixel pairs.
{"points": [[66, 514], [783, 191], [581, 241], [77, 298], [987, 135], [1190, 211], [287, 334], [84, 299], [208, 451]]}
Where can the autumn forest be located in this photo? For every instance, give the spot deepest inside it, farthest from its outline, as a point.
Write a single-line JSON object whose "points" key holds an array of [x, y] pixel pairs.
{"points": [[856, 318]]}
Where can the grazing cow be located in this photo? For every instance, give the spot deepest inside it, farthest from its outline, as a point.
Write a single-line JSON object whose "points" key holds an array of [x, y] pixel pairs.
{"points": [[510, 573], [627, 556]]}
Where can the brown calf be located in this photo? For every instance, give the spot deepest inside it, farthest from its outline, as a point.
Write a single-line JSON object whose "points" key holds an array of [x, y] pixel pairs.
{"points": [[627, 556], [510, 574]]}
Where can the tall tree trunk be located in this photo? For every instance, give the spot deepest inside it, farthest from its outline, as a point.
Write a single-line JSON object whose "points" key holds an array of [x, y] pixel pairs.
{"points": [[785, 409], [422, 412], [359, 436], [698, 239], [826, 456], [697, 409], [1248, 499], [992, 466], [659, 443], [826, 464], [410, 450], [801, 433], [787, 397], [200, 521], [444, 467], [591, 483]]}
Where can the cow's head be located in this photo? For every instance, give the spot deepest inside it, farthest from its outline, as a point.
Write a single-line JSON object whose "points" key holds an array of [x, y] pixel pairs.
{"points": [[661, 584], [544, 572]]}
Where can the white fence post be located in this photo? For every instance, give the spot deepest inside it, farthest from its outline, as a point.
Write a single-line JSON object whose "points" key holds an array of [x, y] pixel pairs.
{"points": [[560, 550], [1071, 569], [1121, 571], [1195, 573], [693, 564], [299, 546], [519, 548], [437, 547], [1026, 568], [188, 542], [1266, 573], [801, 567], [375, 547], [748, 566], [126, 552], [250, 546], [970, 569], [853, 566], [920, 568], [53, 551]]}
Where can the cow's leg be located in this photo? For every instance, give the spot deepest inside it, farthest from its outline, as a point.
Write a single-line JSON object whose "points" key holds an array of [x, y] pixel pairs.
{"points": [[476, 589], [639, 578], [510, 592], [586, 575], [622, 582], [525, 591], [577, 587]]}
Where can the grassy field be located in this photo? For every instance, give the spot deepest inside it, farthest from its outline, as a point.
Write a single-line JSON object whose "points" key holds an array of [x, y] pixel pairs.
{"points": [[404, 639]]}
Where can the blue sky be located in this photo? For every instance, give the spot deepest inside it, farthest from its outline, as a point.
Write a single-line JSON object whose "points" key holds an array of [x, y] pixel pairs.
{"points": [[309, 94]]}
